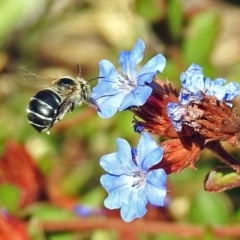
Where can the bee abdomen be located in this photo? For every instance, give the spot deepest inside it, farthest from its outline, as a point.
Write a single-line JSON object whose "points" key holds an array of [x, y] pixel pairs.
{"points": [[42, 109]]}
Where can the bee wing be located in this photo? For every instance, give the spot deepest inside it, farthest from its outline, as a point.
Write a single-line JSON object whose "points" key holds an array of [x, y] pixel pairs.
{"points": [[33, 80]]}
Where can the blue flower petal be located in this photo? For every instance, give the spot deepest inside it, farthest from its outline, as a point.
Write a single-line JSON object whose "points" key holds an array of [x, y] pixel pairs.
{"points": [[129, 60], [113, 182], [112, 164], [156, 187], [109, 105], [118, 188], [157, 178], [108, 83], [145, 146], [232, 91], [137, 97], [124, 62], [136, 55], [176, 112], [186, 97], [106, 94], [124, 155], [221, 92], [102, 90], [135, 205], [154, 65], [109, 162], [207, 84], [146, 78], [152, 158], [193, 79], [119, 162], [108, 70]]}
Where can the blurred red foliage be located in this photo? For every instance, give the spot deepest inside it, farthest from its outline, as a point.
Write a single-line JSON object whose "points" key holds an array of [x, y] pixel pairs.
{"points": [[12, 228], [17, 167]]}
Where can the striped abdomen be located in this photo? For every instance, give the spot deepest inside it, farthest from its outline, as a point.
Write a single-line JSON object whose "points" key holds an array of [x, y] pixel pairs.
{"points": [[42, 109]]}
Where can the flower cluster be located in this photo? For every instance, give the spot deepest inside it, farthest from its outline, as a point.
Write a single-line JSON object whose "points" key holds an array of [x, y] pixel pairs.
{"points": [[130, 182], [194, 87], [197, 116]]}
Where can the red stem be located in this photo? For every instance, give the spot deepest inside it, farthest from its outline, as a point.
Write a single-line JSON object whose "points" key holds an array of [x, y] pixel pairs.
{"points": [[138, 226], [223, 155]]}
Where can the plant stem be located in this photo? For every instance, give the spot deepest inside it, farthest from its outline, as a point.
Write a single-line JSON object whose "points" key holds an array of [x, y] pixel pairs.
{"points": [[223, 155]]}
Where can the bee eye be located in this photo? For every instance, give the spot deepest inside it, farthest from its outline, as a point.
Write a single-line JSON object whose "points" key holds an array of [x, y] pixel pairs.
{"points": [[66, 82]]}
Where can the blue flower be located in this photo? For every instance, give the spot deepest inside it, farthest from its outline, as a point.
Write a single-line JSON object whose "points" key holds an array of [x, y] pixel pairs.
{"points": [[194, 86], [86, 211], [129, 182], [176, 112], [137, 126], [83, 211], [194, 81], [186, 96], [115, 92]]}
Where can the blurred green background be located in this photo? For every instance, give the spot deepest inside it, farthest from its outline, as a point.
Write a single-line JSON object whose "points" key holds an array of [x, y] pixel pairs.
{"points": [[50, 38]]}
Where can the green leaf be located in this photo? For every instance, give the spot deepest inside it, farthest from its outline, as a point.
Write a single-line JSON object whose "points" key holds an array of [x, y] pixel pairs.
{"points": [[209, 208], [35, 230], [94, 197], [11, 12], [37, 233], [172, 73], [80, 178], [237, 215], [222, 179], [9, 197], [102, 234], [150, 9], [65, 236], [48, 212], [200, 37], [125, 129], [175, 17]]}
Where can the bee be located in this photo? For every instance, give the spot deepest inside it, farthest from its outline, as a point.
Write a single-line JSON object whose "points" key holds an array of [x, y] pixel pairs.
{"points": [[58, 96]]}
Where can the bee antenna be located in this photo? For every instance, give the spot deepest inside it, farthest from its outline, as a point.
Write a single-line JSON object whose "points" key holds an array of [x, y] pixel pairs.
{"points": [[79, 70], [94, 78], [79, 74]]}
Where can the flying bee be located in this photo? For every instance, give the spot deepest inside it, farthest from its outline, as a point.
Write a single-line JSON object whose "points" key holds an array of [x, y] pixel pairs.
{"points": [[57, 97]]}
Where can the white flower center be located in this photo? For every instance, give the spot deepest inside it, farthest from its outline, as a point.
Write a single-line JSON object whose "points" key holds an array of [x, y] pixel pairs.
{"points": [[139, 178], [127, 83]]}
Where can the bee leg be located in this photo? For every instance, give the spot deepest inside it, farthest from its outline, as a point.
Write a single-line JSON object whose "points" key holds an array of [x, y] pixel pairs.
{"points": [[92, 102], [72, 107]]}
